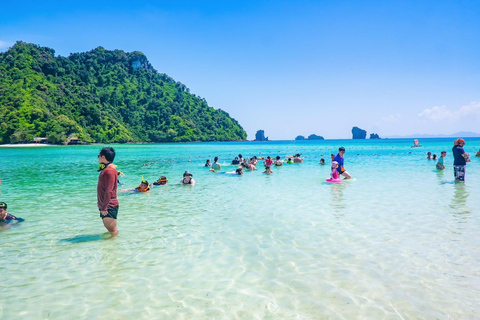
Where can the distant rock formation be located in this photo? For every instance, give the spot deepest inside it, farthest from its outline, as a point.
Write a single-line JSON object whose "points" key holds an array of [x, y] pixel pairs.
{"points": [[358, 133], [315, 137], [300, 138], [260, 136], [374, 136]]}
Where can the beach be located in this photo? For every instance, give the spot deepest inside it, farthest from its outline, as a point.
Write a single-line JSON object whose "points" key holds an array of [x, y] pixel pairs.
{"points": [[400, 240]]}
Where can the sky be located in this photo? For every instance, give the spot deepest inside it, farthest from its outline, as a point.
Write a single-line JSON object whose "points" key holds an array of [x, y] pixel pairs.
{"points": [[290, 68]]}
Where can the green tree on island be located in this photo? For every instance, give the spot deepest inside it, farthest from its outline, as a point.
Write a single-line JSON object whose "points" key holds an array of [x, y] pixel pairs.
{"points": [[101, 96]]}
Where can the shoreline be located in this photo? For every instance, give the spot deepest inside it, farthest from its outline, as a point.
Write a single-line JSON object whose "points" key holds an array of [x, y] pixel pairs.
{"points": [[11, 145]]}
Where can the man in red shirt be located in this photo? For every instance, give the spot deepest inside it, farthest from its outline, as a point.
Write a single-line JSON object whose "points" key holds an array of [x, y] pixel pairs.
{"points": [[107, 190]]}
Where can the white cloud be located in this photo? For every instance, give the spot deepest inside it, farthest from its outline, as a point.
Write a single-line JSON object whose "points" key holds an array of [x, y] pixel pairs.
{"points": [[443, 113], [4, 45], [392, 118]]}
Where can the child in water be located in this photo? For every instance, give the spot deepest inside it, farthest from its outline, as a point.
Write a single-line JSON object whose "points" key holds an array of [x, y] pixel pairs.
{"points": [[334, 174], [142, 187], [160, 182], [440, 165]]}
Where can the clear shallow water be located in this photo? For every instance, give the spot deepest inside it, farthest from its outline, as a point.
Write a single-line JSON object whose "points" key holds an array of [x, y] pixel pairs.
{"points": [[400, 241]]}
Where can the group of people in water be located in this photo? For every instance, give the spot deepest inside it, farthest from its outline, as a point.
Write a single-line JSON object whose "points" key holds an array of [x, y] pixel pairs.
{"points": [[252, 163], [460, 159], [108, 205]]}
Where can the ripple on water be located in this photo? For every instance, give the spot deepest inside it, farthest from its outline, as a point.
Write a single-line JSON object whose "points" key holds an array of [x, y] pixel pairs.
{"points": [[384, 246]]}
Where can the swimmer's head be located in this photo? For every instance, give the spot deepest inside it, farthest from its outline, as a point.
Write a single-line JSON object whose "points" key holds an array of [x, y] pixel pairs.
{"points": [[3, 205], [187, 174], [278, 157], [239, 171], [3, 210]]}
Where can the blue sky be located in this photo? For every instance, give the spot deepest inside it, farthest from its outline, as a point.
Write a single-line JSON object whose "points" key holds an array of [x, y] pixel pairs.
{"points": [[289, 67]]}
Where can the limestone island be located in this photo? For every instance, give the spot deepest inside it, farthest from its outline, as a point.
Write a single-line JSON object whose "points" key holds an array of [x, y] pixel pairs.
{"points": [[260, 136], [358, 133], [310, 137]]}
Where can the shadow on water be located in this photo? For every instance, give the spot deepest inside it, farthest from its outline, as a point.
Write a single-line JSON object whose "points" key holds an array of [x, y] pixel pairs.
{"points": [[87, 238]]}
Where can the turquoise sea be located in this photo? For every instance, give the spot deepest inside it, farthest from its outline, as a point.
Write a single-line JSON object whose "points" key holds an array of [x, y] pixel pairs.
{"points": [[399, 241]]}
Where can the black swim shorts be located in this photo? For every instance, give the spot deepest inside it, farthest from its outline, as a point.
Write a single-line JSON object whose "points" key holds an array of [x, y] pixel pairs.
{"points": [[111, 213]]}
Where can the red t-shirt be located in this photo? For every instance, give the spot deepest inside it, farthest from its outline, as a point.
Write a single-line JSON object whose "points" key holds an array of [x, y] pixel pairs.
{"points": [[107, 188], [268, 162]]}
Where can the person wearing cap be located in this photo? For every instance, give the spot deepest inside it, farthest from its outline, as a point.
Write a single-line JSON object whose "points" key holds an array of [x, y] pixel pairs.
{"points": [[143, 186], [187, 179], [107, 202], [4, 216], [339, 158], [160, 182], [460, 160]]}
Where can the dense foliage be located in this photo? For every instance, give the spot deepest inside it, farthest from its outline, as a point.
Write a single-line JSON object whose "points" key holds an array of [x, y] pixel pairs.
{"points": [[100, 96]]}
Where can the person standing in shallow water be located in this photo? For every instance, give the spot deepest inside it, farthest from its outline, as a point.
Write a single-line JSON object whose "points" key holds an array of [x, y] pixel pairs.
{"points": [[107, 202], [460, 160]]}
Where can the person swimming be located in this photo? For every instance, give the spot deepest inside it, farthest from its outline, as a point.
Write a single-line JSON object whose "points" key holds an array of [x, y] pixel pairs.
{"points": [[208, 164], [142, 187], [160, 182], [235, 161], [297, 158], [5, 217], [187, 179], [278, 162], [322, 161], [216, 166]]}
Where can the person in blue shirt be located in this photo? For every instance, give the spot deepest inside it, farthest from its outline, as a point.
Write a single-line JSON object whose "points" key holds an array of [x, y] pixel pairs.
{"points": [[460, 160], [339, 158], [440, 165]]}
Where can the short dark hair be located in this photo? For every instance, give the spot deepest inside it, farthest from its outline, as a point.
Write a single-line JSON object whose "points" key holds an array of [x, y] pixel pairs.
{"points": [[341, 149], [109, 153]]}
